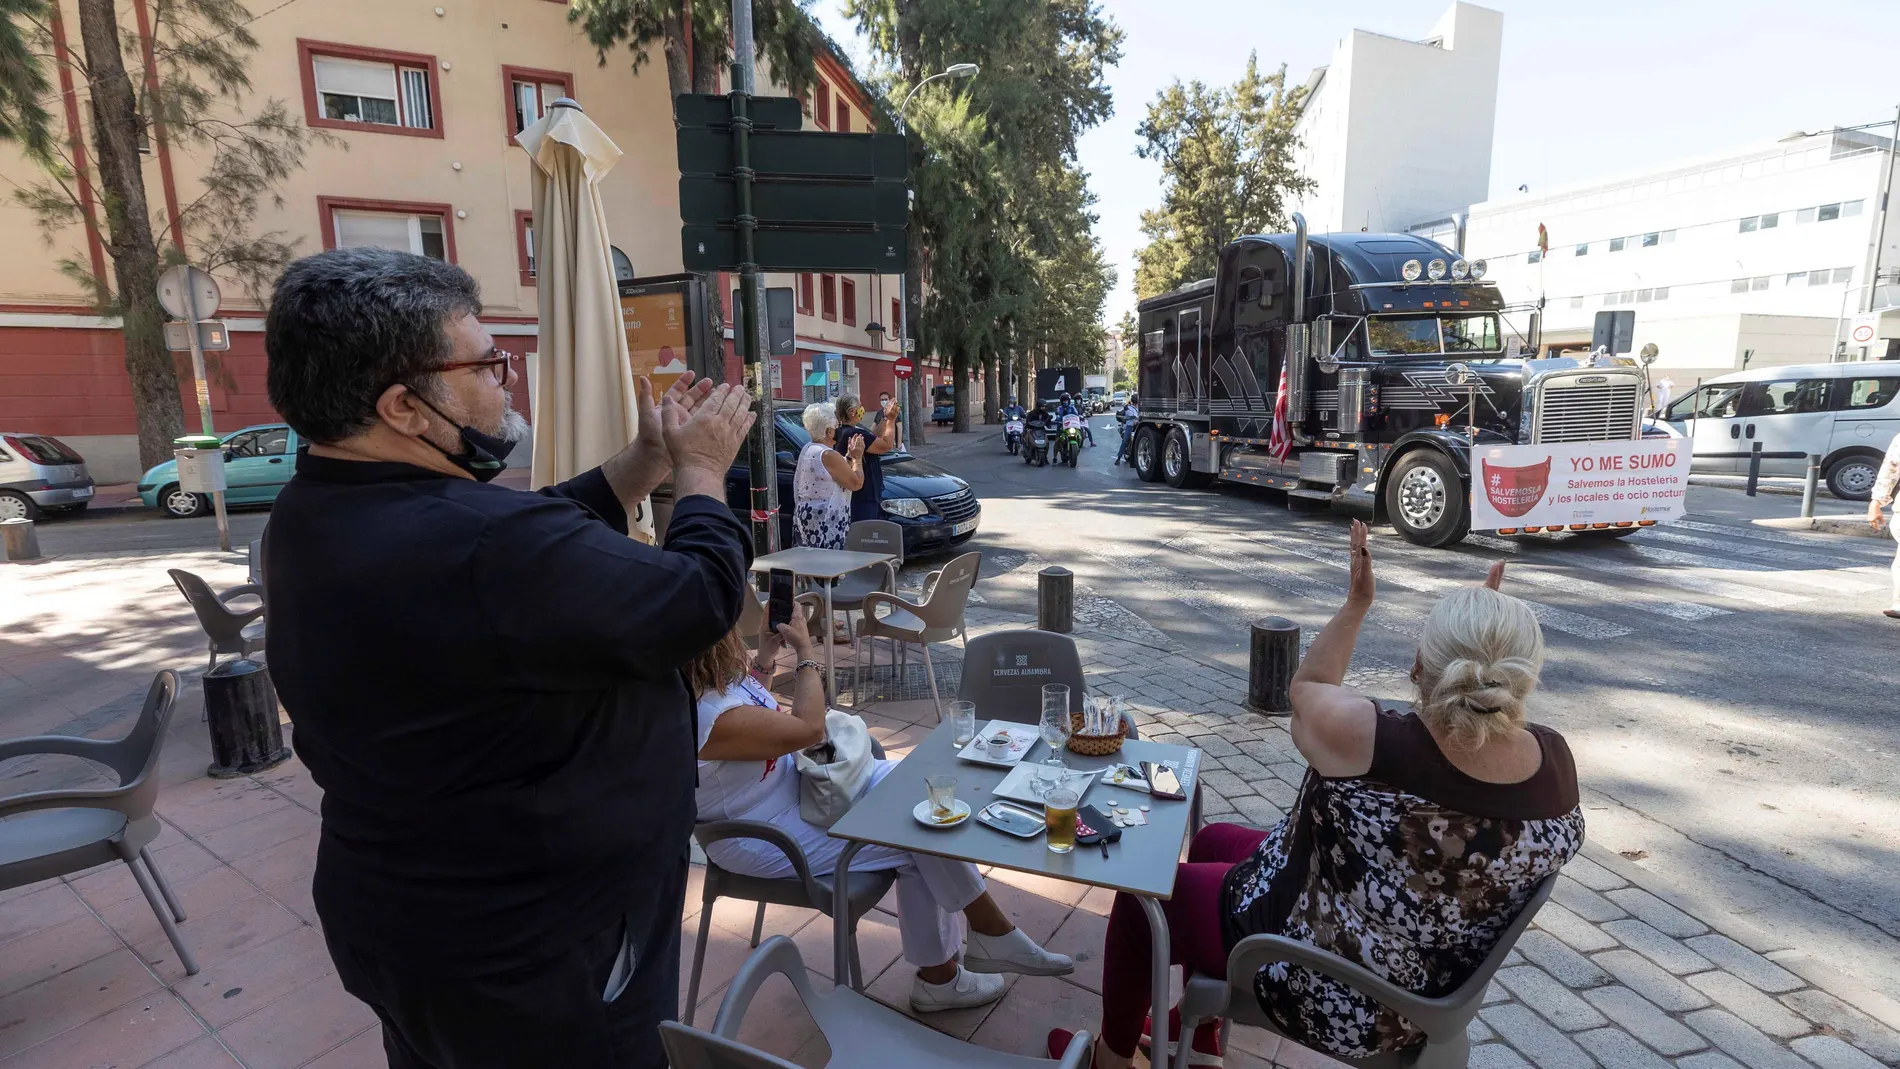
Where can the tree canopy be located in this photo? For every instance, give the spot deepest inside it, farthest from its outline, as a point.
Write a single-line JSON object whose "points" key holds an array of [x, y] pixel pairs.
{"points": [[1227, 169]]}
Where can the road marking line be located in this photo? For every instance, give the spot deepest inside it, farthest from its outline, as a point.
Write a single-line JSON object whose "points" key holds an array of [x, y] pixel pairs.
{"points": [[1722, 588], [1570, 623]]}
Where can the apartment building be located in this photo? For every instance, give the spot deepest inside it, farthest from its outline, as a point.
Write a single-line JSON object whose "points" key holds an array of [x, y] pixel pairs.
{"points": [[424, 102]]}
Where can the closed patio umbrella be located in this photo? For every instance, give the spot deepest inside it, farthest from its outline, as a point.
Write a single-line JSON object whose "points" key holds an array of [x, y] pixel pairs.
{"points": [[583, 399]]}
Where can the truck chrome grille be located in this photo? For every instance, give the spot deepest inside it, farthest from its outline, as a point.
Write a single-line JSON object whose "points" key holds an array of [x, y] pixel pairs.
{"points": [[1605, 413]]}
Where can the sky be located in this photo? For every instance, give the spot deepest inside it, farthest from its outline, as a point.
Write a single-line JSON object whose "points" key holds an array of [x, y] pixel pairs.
{"points": [[1633, 84]]}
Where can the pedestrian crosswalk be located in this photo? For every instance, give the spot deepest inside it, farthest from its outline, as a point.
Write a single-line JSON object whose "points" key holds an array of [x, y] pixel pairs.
{"points": [[1693, 573]]}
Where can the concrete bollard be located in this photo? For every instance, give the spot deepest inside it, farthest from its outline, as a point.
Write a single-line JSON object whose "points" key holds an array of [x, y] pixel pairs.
{"points": [[22, 541], [1055, 599], [1808, 488], [1271, 663]]}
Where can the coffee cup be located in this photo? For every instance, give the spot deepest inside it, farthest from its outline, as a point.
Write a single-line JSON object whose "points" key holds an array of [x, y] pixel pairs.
{"points": [[998, 745]]}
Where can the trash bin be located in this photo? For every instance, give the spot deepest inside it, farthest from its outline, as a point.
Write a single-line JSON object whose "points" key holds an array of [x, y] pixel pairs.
{"points": [[241, 709]]}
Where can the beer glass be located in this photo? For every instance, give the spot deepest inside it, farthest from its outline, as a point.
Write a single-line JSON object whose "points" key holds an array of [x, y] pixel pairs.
{"points": [[963, 716], [1059, 807], [1054, 728]]}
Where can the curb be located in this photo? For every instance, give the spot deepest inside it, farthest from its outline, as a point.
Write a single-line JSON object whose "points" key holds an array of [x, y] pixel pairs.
{"points": [[1710, 911], [1849, 526]]}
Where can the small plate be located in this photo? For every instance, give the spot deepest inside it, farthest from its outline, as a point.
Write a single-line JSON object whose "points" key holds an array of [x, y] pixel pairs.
{"points": [[1022, 738], [922, 813]]}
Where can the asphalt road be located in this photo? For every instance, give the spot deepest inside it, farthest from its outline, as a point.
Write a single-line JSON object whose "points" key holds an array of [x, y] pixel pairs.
{"points": [[1728, 689]]}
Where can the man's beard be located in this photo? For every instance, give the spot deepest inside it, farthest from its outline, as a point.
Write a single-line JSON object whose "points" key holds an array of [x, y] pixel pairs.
{"points": [[514, 427]]}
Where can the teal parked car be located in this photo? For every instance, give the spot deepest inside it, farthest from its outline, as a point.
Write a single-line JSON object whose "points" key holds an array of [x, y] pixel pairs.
{"points": [[258, 461]]}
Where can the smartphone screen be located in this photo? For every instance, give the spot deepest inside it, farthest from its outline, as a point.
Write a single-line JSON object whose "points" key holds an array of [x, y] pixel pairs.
{"points": [[1162, 782], [779, 604]]}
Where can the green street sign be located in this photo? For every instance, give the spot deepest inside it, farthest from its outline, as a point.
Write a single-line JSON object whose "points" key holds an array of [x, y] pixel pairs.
{"points": [[775, 201], [766, 113], [794, 154], [876, 252]]}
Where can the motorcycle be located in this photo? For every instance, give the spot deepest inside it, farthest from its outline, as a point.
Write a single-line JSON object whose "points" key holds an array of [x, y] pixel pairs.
{"points": [[1036, 445], [1012, 434], [1069, 442]]}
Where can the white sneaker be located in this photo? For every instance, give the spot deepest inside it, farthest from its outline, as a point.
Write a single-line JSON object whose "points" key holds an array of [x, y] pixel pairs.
{"points": [[1016, 953], [967, 989]]}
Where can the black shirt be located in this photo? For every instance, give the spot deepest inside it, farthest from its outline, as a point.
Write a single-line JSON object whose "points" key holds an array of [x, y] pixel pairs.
{"points": [[864, 500], [486, 684]]}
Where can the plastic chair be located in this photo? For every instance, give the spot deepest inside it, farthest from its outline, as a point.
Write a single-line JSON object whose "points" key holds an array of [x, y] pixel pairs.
{"points": [[862, 1033], [937, 618], [48, 834], [1443, 1020], [254, 561], [228, 631], [802, 889], [869, 536]]}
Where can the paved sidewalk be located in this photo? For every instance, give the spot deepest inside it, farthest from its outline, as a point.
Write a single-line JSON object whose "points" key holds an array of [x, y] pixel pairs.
{"points": [[1620, 971]]}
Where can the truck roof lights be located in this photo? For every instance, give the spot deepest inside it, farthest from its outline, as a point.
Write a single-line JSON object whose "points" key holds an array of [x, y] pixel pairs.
{"points": [[1460, 270], [1410, 270], [1435, 270], [1477, 270]]}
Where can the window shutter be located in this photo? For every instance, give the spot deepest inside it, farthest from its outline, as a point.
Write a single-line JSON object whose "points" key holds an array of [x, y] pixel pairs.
{"points": [[415, 99], [375, 229], [352, 77]]}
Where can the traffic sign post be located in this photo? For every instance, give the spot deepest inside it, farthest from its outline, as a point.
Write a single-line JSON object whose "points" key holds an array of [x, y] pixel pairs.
{"points": [[193, 296]]}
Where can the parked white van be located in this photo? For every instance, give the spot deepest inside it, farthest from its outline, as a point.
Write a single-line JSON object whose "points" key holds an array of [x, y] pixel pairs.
{"points": [[1845, 412]]}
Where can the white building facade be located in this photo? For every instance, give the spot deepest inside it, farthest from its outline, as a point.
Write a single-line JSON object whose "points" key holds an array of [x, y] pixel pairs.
{"points": [[1395, 131], [1746, 259]]}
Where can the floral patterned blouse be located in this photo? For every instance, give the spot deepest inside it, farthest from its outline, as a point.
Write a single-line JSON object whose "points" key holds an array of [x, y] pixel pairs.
{"points": [[821, 510], [1413, 869]]}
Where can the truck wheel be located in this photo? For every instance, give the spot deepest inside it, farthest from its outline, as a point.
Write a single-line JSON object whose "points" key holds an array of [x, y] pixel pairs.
{"points": [[1148, 455], [1851, 478], [1177, 463], [1426, 500]]}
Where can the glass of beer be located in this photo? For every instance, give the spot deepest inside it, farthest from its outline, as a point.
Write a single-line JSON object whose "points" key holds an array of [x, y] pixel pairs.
{"points": [[1059, 810], [943, 796], [963, 716]]}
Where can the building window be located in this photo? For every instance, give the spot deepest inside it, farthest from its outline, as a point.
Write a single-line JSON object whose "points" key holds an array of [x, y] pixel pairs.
{"points": [[1771, 220], [1616, 244], [530, 92], [524, 246], [844, 118], [1576, 302], [1583, 250], [895, 326], [1750, 224], [1843, 275], [1827, 213], [804, 294], [1805, 215], [352, 88], [1849, 208], [828, 293], [423, 229], [1795, 278], [1662, 293], [821, 111], [1534, 256], [850, 300], [1740, 285], [1644, 296], [1760, 283], [1652, 239]]}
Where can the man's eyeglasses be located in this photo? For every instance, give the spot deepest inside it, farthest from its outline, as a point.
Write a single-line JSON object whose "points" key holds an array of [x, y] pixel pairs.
{"points": [[502, 365]]}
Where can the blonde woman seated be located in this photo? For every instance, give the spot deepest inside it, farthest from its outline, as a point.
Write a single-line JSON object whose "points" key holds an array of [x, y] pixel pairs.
{"points": [[1421, 831], [746, 772]]}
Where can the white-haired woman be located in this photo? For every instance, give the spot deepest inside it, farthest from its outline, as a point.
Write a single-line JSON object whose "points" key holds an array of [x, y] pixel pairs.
{"points": [[1418, 835], [824, 481]]}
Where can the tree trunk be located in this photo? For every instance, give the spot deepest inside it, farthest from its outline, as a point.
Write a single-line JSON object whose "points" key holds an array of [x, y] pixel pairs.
{"points": [[128, 237], [1020, 366], [991, 384], [679, 74], [706, 49], [960, 376]]}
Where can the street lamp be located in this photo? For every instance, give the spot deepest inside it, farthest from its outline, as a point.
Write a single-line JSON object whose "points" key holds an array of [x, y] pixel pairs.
{"points": [[954, 70]]}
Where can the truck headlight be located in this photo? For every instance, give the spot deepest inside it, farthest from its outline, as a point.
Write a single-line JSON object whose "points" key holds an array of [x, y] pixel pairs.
{"points": [[1460, 270], [1478, 268], [1410, 271], [908, 507], [1524, 420], [1435, 270]]}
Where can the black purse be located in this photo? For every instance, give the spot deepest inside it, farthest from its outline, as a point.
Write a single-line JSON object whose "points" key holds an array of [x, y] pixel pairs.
{"points": [[1092, 826]]}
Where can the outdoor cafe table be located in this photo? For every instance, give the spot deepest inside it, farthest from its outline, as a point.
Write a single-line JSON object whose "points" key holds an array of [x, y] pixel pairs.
{"points": [[1142, 863], [806, 562]]}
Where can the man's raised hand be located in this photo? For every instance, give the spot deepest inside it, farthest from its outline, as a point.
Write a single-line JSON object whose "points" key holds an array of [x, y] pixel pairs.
{"points": [[705, 438]]}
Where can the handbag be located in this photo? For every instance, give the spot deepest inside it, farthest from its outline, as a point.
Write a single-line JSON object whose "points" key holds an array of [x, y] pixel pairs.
{"points": [[832, 774]]}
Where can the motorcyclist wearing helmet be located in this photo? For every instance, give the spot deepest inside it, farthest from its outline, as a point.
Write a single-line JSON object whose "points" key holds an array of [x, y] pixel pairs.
{"points": [[1013, 410], [1067, 408]]}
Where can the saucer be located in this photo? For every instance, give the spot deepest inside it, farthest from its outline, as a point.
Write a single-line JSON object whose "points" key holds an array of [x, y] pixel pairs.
{"points": [[922, 813]]}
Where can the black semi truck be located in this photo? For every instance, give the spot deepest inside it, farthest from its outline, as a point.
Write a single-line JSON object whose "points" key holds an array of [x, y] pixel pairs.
{"points": [[1053, 382], [1394, 355]]}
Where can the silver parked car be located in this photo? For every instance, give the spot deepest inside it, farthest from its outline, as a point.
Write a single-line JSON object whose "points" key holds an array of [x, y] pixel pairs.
{"points": [[38, 471]]}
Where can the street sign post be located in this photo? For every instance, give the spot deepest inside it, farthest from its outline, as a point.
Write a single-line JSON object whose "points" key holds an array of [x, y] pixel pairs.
{"points": [[193, 296], [781, 322], [1615, 331], [212, 336], [1866, 326]]}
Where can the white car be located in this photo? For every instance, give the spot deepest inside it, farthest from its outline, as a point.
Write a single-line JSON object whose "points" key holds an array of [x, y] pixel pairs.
{"points": [[1845, 412], [38, 471]]}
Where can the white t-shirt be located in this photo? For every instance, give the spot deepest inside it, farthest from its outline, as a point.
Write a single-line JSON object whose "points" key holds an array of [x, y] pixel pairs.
{"points": [[743, 790]]}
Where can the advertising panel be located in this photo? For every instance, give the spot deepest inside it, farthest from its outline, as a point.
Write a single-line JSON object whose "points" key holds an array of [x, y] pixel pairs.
{"points": [[656, 334], [1578, 482]]}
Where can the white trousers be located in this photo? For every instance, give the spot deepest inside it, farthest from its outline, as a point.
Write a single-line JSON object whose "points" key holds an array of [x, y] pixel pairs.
{"points": [[931, 891], [1893, 528]]}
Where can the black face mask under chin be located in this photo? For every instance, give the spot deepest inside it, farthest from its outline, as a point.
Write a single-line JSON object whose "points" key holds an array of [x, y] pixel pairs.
{"points": [[487, 453]]}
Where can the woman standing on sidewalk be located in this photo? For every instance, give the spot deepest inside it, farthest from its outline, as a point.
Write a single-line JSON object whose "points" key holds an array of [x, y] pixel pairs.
{"points": [[1882, 496], [824, 481], [1416, 839]]}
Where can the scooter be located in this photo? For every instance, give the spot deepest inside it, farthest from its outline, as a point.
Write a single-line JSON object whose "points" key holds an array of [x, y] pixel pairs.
{"points": [[1036, 445], [1012, 434], [1069, 442]]}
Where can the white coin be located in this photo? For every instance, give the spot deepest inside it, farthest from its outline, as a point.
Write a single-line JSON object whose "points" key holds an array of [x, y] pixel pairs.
{"points": [[1144, 809]]}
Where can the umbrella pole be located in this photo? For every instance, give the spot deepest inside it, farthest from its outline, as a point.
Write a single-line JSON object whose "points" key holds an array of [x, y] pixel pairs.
{"points": [[762, 457]]}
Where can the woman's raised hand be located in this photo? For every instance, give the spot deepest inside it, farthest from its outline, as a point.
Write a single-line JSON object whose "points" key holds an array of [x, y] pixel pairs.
{"points": [[797, 632], [1360, 590], [1495, 577], [855, 450]]}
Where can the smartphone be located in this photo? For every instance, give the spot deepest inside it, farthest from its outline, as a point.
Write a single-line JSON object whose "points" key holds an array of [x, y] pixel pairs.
{"points": [[1162, 782], [779, 603]]}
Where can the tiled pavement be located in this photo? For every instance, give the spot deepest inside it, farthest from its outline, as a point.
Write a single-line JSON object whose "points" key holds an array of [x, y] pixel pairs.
{"points": [[1617, 973]]}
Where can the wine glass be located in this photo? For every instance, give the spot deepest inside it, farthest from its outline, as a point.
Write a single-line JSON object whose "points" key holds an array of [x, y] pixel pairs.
{"points": [[1055, 728]]}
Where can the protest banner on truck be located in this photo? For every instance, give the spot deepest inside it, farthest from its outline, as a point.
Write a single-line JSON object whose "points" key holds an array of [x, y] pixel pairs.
{"points": [[1578, 482]]}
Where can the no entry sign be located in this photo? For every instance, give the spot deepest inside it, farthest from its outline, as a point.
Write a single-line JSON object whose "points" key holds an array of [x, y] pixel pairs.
{"points": [[903, 367]]}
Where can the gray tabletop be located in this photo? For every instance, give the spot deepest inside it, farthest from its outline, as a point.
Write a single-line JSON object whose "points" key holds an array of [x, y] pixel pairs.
{"points": [[818, 563], [1141, 863]]}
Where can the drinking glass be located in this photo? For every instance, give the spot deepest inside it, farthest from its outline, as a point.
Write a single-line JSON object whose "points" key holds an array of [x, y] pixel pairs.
{"points": [[943, 796], [963, 716], [1059, 808], [1054, 728]]}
